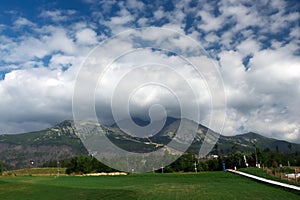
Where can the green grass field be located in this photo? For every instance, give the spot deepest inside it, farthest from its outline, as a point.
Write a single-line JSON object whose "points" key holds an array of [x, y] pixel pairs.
{"points": [[206, 185]]}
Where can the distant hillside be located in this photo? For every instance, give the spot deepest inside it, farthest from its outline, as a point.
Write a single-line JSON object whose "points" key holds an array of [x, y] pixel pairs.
{"points": [[246, 142], [62, 141], [54, 143]]}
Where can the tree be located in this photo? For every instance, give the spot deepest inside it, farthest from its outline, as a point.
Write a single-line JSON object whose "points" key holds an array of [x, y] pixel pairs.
{"points": [[213, 165], [4, 167], [184, 163], [86, 164], [259, 154], [235, 160], [203, 166]]}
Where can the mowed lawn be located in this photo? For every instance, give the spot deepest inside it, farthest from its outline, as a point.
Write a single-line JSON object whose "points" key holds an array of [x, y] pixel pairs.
{"points": [[205, 185]]}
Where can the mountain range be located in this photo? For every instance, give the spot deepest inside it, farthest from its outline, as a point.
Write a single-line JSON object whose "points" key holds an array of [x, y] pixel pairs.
{"points": [[62, 141]]}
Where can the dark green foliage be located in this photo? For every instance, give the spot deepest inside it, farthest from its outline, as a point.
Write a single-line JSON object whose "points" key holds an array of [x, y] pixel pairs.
{"points": [[264, 158], [213, 165], [4, 167], [61, 163], [86, 164], [235, 160], [186, 162], [273, 159], [203, 166]]}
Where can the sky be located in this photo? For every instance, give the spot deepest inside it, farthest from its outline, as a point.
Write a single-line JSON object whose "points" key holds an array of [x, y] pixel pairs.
{"points": [[254, 44]]}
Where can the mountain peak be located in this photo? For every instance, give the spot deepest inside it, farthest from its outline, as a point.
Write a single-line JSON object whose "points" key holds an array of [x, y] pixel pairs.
{"points": [[66, 127], [252, 135], [65, 123]]}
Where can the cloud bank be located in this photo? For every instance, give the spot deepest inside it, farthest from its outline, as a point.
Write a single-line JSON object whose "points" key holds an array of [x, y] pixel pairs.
{"points": [[255, 46]]}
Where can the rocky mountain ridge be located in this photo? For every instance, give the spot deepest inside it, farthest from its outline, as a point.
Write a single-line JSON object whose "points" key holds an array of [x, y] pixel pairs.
{"points": [[62, 141]]}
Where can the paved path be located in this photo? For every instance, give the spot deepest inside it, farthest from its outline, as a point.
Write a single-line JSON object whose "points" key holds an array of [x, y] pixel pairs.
{"points": [[265, 180]]}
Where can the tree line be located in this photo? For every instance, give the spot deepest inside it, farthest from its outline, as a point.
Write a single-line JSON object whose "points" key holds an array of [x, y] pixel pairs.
{"points": [[82, 164], [189, 162]]}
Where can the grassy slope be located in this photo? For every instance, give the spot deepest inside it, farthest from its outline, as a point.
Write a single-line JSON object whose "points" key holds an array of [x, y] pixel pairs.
{"points": [[211, 185], [261, 173]]}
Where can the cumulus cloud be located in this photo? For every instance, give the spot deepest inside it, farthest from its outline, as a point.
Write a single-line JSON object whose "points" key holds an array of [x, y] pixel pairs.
{"points": [[34, 92], [86, 36], [31, 47], [121, 22], [265, 95], [136, 68], [209, 22]]}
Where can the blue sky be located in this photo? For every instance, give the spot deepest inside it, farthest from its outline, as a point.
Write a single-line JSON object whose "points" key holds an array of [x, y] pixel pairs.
{"points": [[255, 43]]}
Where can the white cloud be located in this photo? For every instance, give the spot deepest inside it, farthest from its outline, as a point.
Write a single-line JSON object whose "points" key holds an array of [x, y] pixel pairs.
{"points": [[57, 15], [31, 47], [136, 5], [158, 14], [211, 38], [142, 22], [265, 98], [59, 41], [60, 61], [33, 93], [295, 33], [209, 22], [248, 46], [232, 67], [119, 23], [124, 17], [86, 36], [21, 21]]}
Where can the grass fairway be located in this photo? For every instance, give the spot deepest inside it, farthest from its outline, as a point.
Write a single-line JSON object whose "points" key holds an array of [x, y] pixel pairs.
{"points": [[206, 185]]}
